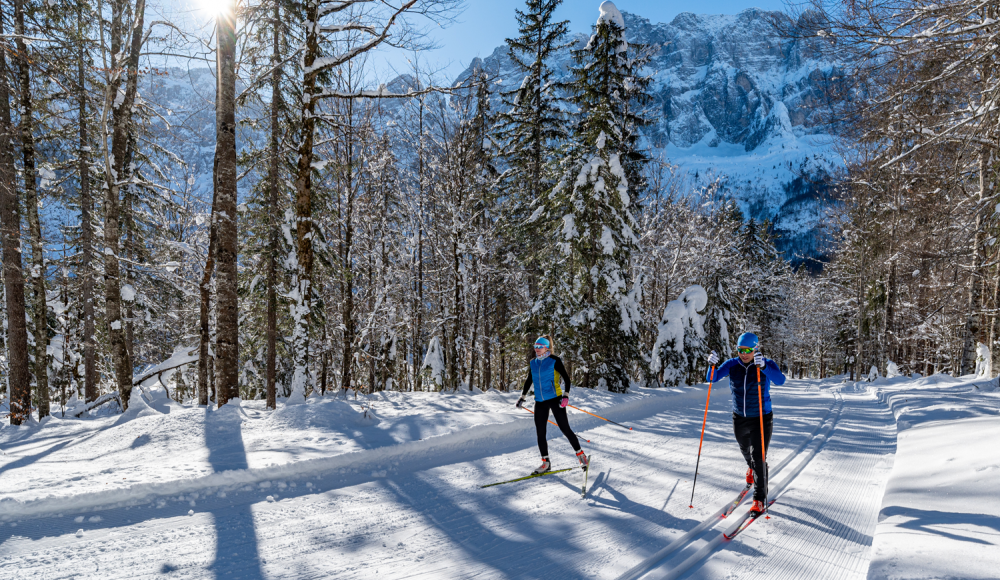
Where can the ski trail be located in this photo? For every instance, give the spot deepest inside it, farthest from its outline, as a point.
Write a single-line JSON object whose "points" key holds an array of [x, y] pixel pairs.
{"points": [[656, 560], [822, 523], [830, 514], [427, 518]]}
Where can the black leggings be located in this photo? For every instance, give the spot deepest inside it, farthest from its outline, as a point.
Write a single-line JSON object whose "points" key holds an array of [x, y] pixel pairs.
{"points": [[541, 419], [747, 430]]}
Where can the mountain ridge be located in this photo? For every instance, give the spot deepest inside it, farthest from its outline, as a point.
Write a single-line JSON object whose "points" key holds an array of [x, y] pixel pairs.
{"points": [[734, 100]]}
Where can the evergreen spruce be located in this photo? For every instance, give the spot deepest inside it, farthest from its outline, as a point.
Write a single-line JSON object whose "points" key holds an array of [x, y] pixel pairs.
{"points": [[589, 294], [531, 127], [762, 274]]}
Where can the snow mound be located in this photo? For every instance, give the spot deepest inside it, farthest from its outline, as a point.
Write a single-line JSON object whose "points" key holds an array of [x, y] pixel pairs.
{"points": [[610, 13], [321, 413]]}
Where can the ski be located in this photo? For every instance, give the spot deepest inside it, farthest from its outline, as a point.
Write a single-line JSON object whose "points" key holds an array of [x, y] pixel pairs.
{"points": [[586, 472], [737, 502], [746, 523], [527, 477]]}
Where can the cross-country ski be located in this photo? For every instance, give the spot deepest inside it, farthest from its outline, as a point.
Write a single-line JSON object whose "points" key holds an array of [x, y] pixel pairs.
{"points": [[738, 500], [751, 518], [532, 476]]}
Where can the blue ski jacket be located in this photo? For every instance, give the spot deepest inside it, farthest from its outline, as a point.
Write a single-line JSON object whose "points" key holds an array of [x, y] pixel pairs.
{"points": [[549, 377], [743, 384]]}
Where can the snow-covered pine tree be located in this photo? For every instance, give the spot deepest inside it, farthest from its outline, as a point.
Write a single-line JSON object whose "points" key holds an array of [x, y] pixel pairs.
{"points": [[531, 125], [720, 320], [262, 243], [589, 295], [680, 345], [761, 273]]}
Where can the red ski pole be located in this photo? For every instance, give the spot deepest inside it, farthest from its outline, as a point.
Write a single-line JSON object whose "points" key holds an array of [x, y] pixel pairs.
{"points": [[711, 379], [549, 420], [763, 449]]}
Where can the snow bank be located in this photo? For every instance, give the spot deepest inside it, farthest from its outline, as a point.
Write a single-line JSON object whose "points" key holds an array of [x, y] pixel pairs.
{"points": [[98, 463], [938, 515]]}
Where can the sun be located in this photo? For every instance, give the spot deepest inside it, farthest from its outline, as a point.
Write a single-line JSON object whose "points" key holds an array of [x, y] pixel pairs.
{"points": [[215, 8]]}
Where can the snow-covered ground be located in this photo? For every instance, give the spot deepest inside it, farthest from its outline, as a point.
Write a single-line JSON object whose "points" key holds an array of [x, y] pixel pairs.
{"points": [[892, 479]]}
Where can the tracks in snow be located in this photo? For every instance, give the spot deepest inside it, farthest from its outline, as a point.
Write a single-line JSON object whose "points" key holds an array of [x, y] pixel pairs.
{"points": [[816, 440]]}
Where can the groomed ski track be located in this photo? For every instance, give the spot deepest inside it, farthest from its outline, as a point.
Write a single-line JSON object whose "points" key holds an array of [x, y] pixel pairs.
{"points": [[424, 516]]}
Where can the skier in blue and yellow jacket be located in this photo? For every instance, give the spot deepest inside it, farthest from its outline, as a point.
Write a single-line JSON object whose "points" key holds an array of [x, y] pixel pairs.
{"points": [[742, 373], [551, 381]]}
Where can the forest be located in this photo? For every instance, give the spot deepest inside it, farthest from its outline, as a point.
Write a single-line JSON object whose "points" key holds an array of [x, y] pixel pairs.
{"points": [[416, 234]]}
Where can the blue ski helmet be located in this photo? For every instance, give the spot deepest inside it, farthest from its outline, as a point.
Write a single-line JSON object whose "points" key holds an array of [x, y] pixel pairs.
{"points": [[747, 339]]}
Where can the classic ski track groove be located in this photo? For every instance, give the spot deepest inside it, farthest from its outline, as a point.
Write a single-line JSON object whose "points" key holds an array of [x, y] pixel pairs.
{"points": [[658, 559], [839, 558], [837, 545]]}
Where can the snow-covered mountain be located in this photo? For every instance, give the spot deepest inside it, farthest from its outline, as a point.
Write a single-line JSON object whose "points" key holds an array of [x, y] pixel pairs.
{"points": [[735, 100]]}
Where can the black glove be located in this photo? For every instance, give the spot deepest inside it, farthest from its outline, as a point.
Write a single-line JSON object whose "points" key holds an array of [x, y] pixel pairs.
{"points": [[520, 402]]}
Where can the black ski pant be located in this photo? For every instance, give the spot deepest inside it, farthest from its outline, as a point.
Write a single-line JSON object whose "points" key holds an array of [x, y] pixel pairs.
{"points": [[541, 420], [747, 430]]}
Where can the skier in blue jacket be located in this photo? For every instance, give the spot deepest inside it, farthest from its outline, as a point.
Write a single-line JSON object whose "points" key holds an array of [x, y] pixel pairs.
{"points": [[742, 373], [547, 373]]}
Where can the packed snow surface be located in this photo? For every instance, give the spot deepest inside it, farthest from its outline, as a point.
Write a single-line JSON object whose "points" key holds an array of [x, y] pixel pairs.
{"points": [[894, 478]]}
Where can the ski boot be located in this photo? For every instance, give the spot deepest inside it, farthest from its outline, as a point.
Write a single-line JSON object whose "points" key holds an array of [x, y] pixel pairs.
{"points": [[584, 460], [749, 476], [757, 508], [545, 466]]}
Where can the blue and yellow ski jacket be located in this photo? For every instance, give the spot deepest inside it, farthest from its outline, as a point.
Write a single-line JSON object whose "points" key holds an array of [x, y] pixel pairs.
{"points": [[743, 384], [549, 377]]}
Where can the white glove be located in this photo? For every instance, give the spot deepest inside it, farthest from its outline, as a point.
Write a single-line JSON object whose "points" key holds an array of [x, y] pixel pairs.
{"points": [[758, 359], [713, 358]]}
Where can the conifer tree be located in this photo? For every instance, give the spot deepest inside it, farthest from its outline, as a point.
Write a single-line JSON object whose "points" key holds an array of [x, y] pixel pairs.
{"points": [[16, 332], [532, 124], [720, 315], [762, 273], [590, 296]]}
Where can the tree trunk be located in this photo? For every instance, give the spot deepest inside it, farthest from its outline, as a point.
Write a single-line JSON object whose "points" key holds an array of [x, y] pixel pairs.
{"points": [[303, 209], [473, 346], [346, 248], [206, 382], [272, 214], [19, 378], [86, 225], [972, 326], [40, 310], [454, 370], [889, 338], [121, 101], [227, 336]]}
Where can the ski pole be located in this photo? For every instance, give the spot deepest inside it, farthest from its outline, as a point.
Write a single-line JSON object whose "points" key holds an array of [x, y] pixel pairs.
{"points": [[711, 379], [549, 420], [763, 450], [599, 417], [532, 412]]}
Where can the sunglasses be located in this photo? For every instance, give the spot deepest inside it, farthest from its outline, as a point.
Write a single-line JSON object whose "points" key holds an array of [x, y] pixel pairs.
{"points": [[538, 346], [744, 350]]}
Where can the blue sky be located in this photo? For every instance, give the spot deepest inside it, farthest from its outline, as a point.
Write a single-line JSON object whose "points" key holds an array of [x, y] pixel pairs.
{"points": [[484, 24]]}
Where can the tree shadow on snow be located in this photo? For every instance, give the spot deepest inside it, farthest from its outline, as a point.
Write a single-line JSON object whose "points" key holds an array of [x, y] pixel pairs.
{"points": [[29, 459], [827, 525], [545, 547], [236, 553], [922, 520]]}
